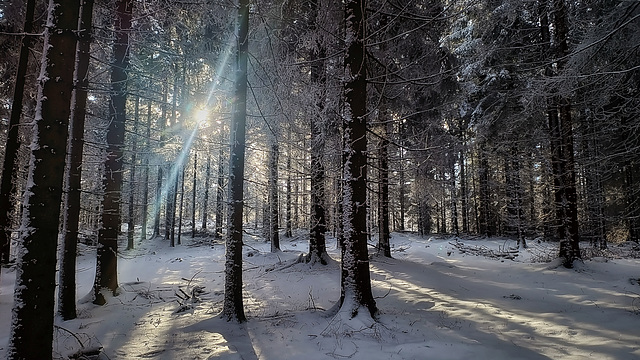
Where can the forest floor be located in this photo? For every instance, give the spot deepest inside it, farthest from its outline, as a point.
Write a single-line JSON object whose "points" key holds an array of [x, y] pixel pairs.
{"points": [[439, 298]]}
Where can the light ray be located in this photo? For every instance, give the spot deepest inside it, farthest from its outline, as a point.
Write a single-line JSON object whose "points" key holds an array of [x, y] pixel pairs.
{"points": [[173, 172], [219, 70]]}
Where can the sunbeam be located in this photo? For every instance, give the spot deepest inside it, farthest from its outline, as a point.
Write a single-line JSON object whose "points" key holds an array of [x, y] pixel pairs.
{"points": [[219, 70], [201, 116], [173, 172]]}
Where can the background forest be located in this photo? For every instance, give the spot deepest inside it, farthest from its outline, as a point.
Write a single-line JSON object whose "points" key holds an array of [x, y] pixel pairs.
{"points": [[346, 119]]}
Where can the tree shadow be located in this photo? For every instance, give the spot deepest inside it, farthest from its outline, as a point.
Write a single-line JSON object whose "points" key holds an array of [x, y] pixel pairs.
{"points": [[227, 339]]}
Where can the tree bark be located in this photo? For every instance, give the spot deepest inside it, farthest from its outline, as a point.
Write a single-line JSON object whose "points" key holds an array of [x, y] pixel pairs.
{"points": [[561, 139], [317, 241], [145, 180], [34, 296], [355, 280], [205, 201], [172, 178], [401, 192], [384, 248], [220, 195], [107, 260], [132, 177], [193, 197], [73, 169], [11, 145], [274, 236], [181, 205], [233, 308], [464, 193], [485, 214], [288, 231], [158, 200]]}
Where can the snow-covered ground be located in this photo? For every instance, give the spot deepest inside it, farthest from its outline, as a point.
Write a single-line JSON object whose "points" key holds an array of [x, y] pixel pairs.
{"points": [[435, 302]]}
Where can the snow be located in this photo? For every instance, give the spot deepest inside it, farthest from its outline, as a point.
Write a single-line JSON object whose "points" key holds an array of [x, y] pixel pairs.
{"points": [[435, 302]]}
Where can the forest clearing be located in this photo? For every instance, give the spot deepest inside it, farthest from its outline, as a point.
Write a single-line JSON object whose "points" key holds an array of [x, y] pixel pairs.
{"points": [[435, 303]]}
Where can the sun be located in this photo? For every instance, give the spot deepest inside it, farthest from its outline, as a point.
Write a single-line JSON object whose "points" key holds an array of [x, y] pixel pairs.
{"points": [[201, 116]]}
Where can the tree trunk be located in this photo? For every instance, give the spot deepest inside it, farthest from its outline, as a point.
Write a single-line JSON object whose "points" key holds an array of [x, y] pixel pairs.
{"points": [[288, 231], [561, 140], [71, 216], [107, 261], [12, 144], [632, 211], [145, 180], [401, 192], [173, 201], [193, 197], [464, 193], [384, 247], [355, 280], [220, 195], [454, 201], [205, 201], [181, 206], [485, 215], [172, 178], [318, 226], [158, 200], [34, 296], [132, 177], [233, 308], [273, 198], [317, 241]]}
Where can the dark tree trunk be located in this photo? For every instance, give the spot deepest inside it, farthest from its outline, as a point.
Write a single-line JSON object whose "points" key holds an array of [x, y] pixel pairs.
{"points": [[317, 241], [34, 296], [513, 183], [220, 195], [401, 192], [132, 177], [355, 281], [318, 226], [454, 202], [174, 207], [71, 216], [193, 197], [632, 210], [273, 198], [288, 231], [145, 180], [384, 247], [181, 206], [158, 200], [156, 203], [11, 145], [464, 200], [296, 203], [561, 140], [485, 214], [205, 200], [340, 215], [107, 261], [570, 242], [233, 308], [170, 210]]}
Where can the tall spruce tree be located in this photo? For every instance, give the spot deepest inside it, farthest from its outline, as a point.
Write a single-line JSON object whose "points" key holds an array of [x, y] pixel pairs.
{"points": [[355, 282], [107, 261], [33, 312], [233, 308]]}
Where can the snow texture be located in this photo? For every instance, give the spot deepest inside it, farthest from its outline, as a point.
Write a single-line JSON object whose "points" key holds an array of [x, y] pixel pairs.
{"points": [[438, 299]]}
